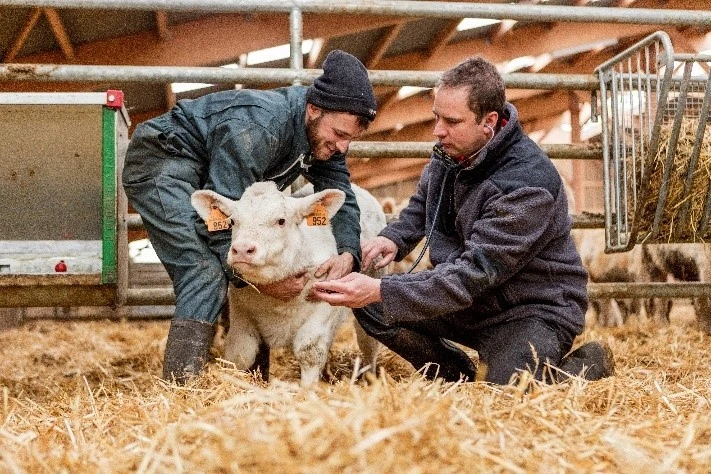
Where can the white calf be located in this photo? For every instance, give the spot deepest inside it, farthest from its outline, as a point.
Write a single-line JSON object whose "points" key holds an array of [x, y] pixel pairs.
{"points": [[272, 240]]}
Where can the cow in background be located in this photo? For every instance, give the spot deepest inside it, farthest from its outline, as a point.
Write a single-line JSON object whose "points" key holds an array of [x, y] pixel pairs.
{"points": [[682, 262], [606, 268]]}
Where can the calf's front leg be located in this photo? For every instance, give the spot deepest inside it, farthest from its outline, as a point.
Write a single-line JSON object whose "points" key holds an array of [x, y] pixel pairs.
{"points": [[242, 343]]}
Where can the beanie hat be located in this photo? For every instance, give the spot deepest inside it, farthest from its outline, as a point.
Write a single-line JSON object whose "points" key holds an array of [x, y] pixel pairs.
{"points": [[344, 86]]}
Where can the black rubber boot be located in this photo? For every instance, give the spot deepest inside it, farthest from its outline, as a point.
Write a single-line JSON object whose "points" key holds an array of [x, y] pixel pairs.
{"points": [[187, 350], [592, 361], [448, 361]]}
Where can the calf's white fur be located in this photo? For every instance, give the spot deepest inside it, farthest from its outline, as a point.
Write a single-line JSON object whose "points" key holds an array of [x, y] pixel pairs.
{"points": [[271, 241]]}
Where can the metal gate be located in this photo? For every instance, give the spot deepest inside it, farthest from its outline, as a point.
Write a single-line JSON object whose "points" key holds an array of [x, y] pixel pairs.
{"points": [[656, 145]]}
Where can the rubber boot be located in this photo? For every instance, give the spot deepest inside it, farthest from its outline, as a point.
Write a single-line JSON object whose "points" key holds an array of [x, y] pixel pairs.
{"points": [[448, 361], [187, 350], [592, 361]]}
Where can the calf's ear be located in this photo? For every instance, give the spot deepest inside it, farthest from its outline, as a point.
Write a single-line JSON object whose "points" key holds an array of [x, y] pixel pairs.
{"points": [[203, 200], [330, 199]]}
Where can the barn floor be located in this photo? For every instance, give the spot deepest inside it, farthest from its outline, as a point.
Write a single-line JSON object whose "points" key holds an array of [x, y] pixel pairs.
{"points": [[86, 397]]}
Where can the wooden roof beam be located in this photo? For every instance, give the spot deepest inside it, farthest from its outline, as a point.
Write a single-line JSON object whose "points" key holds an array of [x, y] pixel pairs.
{"points": [[22, 35], [529, 40], [443, 37], [55, 22], [316, 55], [500, 30], [386, 40], [212, 40], [162, 25]]}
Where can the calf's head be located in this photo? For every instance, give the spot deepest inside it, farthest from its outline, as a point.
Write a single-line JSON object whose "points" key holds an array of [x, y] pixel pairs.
{"points": [[268, 241]]}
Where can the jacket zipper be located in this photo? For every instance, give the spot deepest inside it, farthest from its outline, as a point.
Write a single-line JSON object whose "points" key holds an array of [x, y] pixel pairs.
{"points": [[303, 161]]}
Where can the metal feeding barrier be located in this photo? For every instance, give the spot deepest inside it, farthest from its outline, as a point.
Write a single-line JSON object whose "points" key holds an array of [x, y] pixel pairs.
{"points": [[656, 145]]}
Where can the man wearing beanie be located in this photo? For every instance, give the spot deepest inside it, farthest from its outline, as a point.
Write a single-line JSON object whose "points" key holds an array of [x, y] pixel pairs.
{"points": [[226, 141]]}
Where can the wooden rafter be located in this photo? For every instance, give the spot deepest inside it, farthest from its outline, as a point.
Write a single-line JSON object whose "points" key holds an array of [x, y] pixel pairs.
{"points": [[384, 43], [316, 53], [528, 40], [55, 22], [162, 25], [574, 108], [21, 37], [212, 40], [500, 30], [443, 37], [169, 97]]}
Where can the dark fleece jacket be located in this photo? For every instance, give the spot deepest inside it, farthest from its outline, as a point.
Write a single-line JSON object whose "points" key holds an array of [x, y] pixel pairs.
{"points": [[501, 246]]}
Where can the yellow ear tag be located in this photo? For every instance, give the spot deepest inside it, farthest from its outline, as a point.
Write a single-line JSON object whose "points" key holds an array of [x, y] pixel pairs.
{"points": [[217, 220], [319, 216]]}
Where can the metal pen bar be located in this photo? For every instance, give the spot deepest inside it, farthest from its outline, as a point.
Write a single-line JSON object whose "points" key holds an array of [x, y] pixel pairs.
{"points": [[615, 158], [622, 165], [604, 100], [703, 119], [649, 290], [671, 149], [580, 221], [368, 149], [165, 295], [693, 160], [633, 133], [215, 75], [664, 64], [409, 8]]}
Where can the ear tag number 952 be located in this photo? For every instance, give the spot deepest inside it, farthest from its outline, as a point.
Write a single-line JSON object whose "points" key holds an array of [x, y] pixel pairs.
{"points": [[318, 217], [217, 220]]}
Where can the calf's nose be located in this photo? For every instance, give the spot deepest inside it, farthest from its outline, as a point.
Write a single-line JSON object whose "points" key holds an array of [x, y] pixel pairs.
{"points": [[243, 251]]}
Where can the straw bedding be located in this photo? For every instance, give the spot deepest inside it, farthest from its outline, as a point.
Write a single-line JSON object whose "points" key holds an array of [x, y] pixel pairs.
{"points": [[672, 219], [86, 397]]}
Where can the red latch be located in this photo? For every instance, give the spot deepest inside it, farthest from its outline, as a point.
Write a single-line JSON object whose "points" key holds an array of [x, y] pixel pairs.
{"points": [[114, 99]]}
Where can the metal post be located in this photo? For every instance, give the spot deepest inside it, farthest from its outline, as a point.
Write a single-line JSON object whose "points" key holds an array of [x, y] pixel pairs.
{"points": [[296, 29]]}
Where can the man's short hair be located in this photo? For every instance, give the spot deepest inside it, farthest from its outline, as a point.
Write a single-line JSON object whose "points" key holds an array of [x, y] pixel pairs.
{"points": [[486, 87]]}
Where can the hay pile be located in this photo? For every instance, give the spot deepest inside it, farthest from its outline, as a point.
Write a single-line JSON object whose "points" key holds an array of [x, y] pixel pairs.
{"points": [[673, 220], [85, 397]]}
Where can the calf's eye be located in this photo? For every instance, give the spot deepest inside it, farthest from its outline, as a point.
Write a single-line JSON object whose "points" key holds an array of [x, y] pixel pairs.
{"points": [[281, 222]]}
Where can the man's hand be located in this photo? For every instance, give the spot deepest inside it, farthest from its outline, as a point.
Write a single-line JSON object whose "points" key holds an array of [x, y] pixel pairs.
{"points": [[285, 289], [378, 247], [355, 290], [336, 267]]}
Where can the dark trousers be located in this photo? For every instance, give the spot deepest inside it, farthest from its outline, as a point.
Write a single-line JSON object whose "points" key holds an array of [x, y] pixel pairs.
{"points": [[504, 349]]}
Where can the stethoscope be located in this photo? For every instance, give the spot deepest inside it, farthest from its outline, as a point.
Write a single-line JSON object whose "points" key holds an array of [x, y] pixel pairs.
{"points": [[439, 200]]}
